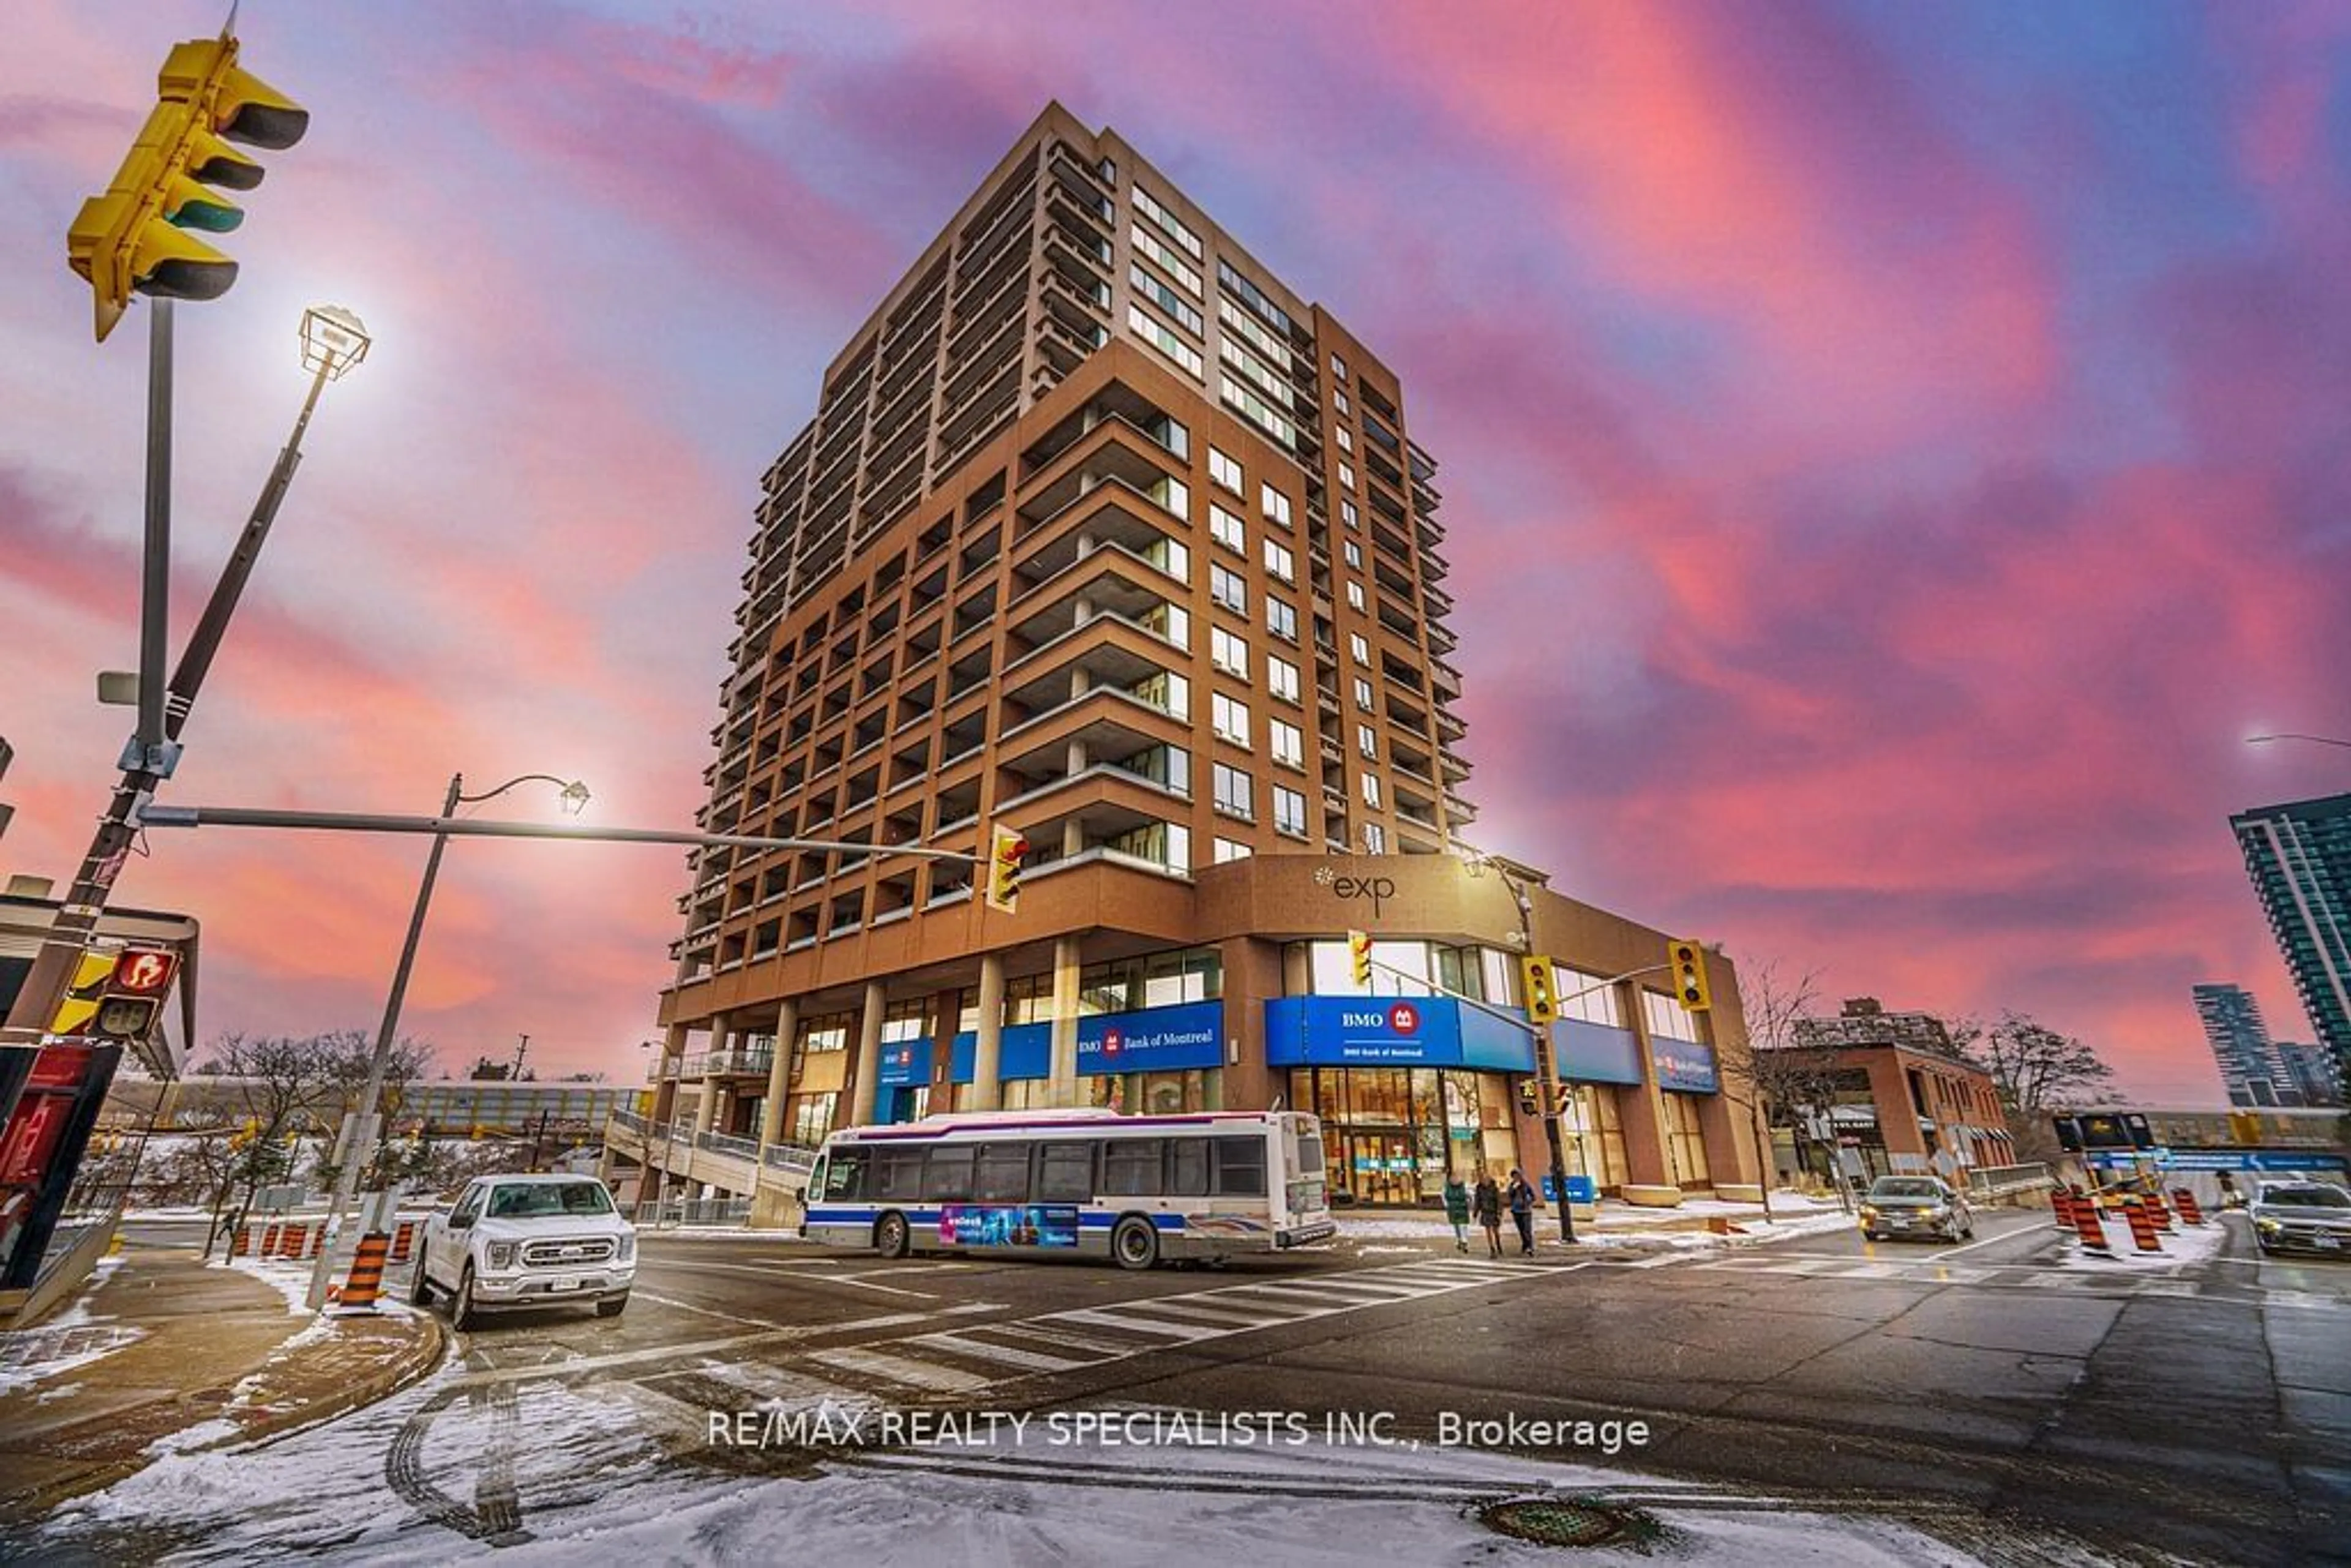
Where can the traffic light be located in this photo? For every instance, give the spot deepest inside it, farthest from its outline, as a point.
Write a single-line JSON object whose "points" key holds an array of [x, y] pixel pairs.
{"points": [[134, 993], [1005, 847], [1530, 1097], [1359, 957], [1687, 962], [1542, 994], [133, 239]]}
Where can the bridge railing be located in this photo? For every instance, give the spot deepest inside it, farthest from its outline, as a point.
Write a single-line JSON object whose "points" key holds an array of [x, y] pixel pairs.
{"points": [[2001, 1181]]}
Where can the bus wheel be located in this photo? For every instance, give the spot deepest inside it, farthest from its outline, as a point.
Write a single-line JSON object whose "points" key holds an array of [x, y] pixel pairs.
{"points": [[1134, 1243], [890, 1237]]}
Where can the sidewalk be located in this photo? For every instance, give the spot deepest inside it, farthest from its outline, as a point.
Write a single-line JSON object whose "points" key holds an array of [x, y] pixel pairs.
{"points": [[164, 1353], [1696, 1223]]}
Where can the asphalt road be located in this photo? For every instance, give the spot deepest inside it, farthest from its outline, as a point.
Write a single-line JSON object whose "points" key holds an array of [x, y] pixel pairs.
{"points": [[2000, 1395]]}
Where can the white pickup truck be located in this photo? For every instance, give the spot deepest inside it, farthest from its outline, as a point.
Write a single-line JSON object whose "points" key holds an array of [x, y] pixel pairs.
{"points": [[527, 1242]]}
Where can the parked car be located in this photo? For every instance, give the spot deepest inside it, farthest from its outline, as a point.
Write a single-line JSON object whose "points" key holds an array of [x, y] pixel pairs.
{"points": [[2302, 1215], [1915, 1206], [527, 1242]]}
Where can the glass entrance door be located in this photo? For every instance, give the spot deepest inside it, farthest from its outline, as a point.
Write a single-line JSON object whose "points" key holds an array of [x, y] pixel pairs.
{"points": [[1381, 1168]]}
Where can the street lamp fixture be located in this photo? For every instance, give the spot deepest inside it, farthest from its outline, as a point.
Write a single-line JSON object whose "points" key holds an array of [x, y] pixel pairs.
{"points": [[333, 340]]}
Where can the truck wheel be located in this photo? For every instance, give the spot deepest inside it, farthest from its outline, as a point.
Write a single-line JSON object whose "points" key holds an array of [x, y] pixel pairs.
{"points": [[420, 1289], [463, 1313], [891, 1236], [612, 1307]]}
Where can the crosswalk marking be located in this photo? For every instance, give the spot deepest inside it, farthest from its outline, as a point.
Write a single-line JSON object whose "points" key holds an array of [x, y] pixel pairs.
{"points": [[1182, 1333], [987, 1350], [898, 1370]]}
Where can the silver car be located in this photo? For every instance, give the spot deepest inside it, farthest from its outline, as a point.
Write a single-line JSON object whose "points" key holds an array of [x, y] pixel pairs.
{"points": [[2303, 1217], [1915, 1206]]}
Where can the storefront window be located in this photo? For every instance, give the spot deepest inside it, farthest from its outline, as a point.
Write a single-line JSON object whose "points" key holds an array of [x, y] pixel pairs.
{"points": [[1392, 1135], [1684, 1144]]}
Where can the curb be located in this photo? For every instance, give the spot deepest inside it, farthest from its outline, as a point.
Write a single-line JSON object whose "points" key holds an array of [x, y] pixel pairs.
{"points": [[422, 1357]]}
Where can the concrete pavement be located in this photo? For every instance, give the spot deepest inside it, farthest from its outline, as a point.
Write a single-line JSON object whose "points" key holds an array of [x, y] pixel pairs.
{"points": [[166, 1352]]}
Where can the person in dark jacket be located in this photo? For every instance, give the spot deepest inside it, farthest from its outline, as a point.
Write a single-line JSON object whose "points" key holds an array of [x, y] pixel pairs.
{"points": [[1522, 1212], [1488, 1202], [1456, 1210]]}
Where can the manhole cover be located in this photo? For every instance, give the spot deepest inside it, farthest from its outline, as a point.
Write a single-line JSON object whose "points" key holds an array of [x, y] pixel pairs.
{"points": [[1566, 1521]]}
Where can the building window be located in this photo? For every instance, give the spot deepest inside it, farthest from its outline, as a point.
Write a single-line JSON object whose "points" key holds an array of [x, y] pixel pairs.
{"points": [[1274, 504], [1226, 588], [1230, 718], [1375, 839], [1338, 366], [1355, 597], [1169, 223], [1346, 442], [1280, 678], [1372, 790], [1227, 529], [1666, 1017], [1354, 554], [1256, 411], [1167, 300], [1223, 470], [1349, 516], [1151, 246], [1339, 400], [1359, 648], [811, 1118], [1685, 1142], [1235, 793], [1227, 652], [1280, 562], [1587, 998], [1286, 742], [1227, 849], [1148, 328], [1347, 476], [1363, 695], [1367, 741], [1281, 618], [1288, 811]]}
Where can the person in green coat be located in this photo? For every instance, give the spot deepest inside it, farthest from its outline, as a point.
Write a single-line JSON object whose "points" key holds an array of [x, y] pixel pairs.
{"points": [[1456, 1210]]}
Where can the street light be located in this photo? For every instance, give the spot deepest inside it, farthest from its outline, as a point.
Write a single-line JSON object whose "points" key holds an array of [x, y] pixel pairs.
{"points": [[574, 799], [333, 340]]}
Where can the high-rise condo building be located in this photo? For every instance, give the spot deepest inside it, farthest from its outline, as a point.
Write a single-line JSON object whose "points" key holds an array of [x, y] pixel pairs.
{"points": [[1102, 532], [2299, 856], [2241, 1049]]}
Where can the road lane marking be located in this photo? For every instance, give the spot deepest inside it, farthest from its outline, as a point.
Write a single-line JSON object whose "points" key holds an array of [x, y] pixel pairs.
{"points": [[855, 1281], [640, 1293], [985, 1350], [1181, 1332]]}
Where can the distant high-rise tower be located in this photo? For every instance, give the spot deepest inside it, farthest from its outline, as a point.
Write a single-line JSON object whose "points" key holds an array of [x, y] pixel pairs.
{"points": [[2311, 1071], [2299, 855], [2240, 1044]]}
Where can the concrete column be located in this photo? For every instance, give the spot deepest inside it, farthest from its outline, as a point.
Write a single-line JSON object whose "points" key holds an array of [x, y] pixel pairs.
{"points": [[705, 1115], [988, 1055], [1063, 1088], [869, 1056], [779, 1076]]}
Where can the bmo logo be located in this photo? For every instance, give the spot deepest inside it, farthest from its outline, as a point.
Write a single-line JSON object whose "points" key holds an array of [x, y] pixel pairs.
{"points": [[1404, 1019], [1113, 1042]]}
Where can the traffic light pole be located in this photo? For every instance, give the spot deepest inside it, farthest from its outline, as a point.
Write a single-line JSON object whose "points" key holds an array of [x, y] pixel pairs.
{"points": [[155, 576], [146, 766]]}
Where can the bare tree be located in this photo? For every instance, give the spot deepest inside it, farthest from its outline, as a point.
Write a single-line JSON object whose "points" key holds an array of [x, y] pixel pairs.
{"points": [[1787, 1084], [2036, 1072]]}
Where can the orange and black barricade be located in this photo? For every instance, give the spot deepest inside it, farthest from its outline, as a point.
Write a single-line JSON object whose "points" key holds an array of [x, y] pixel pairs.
{"points": [[2142, 1227], [2157, 1211], [402, 1238], [2090, 1226], [2189, 1209], [366, 1282]]}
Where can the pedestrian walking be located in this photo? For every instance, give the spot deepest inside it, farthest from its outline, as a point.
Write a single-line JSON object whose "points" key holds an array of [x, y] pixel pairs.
{"points": [[1487, 1201], [1457, 1211], [1522, 1212]]}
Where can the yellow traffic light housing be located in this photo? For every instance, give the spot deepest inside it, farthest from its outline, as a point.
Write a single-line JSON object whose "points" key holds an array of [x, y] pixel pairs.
{"points": [[133, 238], [1535, 979], [1006, 849], [1687, 961], [1530, 1097], [1359, 957]]}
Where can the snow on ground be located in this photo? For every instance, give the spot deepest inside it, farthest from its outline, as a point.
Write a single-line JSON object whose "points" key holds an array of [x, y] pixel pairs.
{"points": [[292, 1280], [2183, 1244], [544, 1472], [72, 1338]]}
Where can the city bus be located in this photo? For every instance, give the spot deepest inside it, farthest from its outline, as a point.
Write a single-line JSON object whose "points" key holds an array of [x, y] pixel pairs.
{"points": [[1081, 1183]]}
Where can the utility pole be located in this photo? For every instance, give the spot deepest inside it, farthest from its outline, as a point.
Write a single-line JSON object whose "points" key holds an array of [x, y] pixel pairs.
{"points": [[514, 1074]]}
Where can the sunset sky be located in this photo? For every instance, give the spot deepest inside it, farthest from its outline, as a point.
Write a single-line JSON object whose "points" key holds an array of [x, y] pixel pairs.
{"points": [[1892, 455]]}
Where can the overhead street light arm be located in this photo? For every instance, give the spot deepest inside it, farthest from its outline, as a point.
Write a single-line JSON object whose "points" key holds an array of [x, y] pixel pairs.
{"points": [[2313, 739], [155, 816]]}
